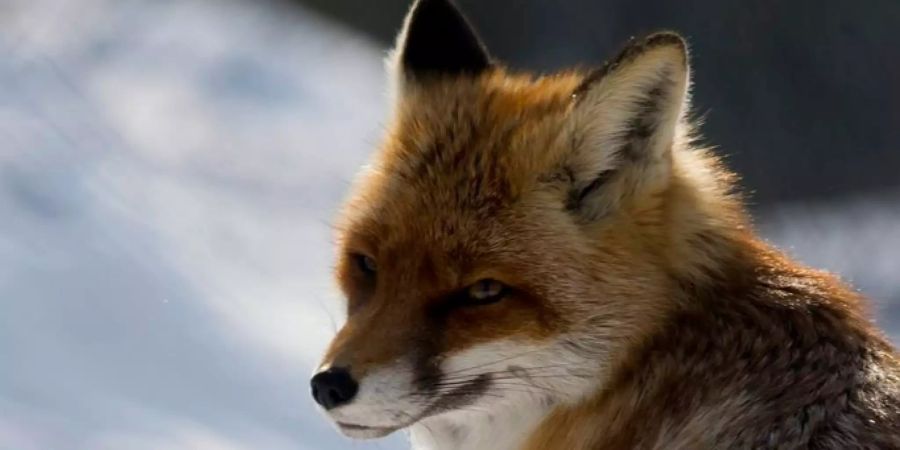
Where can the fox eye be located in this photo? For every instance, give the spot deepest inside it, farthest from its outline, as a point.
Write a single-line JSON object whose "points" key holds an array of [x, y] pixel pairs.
{"points": [[365, 264], [486, 291]]}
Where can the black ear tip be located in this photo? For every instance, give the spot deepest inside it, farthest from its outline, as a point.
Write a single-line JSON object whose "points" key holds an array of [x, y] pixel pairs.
{"points": [[433, 3], [635, 47], [652, 41], [665, 39], [439, 40], [435, 10]]}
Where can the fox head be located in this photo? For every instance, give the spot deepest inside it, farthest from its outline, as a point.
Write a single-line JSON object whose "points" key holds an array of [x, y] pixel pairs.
{"points": [[512, 235]]}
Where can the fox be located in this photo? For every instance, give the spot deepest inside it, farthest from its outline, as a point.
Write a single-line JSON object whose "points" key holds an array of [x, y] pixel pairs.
{"points": [[554, 261]]}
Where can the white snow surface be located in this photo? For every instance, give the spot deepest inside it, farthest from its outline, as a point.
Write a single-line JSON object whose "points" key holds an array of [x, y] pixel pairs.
{"points": [[168, 172]]}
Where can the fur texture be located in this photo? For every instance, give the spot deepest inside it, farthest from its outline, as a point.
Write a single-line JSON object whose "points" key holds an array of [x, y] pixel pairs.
{"points": [[640, 309]]}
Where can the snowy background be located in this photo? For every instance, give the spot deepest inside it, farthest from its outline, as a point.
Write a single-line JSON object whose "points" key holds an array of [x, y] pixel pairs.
{"points": [[168, 172]]}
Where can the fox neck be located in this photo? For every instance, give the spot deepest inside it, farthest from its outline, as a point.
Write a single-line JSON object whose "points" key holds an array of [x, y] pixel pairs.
{"points": [[706, 229], [505, 428]]}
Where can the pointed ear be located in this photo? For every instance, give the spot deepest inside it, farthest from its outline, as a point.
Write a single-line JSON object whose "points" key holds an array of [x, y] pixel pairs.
{"points": [[437, 40], [624, 121]]}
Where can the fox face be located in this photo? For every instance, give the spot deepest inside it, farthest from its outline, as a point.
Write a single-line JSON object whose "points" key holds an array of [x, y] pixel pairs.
{"points": [[506, 242]]}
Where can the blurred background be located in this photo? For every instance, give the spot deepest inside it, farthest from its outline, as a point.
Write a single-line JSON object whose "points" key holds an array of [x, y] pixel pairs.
{"points": [[169, 170]]}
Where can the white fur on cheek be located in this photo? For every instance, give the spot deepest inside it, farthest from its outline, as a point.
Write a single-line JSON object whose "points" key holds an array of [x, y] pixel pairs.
{"points": [[524, 381], [527, 380]]}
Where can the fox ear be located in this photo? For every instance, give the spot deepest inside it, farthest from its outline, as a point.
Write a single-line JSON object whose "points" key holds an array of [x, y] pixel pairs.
{"points": [[437, 40], [624, 121]]}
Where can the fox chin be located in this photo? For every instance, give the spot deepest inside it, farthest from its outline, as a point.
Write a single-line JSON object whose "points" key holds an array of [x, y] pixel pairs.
{"points": [[552, 262]]}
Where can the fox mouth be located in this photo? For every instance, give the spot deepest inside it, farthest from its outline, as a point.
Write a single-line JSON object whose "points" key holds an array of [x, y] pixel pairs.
{"points": [[354, 426], [364, 431]]}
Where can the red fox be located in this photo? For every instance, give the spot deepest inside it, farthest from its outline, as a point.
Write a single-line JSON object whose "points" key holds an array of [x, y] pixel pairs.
{"points": [[552, 262]]}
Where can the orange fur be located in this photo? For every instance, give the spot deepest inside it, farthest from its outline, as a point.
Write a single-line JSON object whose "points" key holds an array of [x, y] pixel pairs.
{"points": [[705, 336]]}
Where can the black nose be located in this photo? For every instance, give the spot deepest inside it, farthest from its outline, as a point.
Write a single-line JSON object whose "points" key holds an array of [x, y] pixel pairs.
{"points": [[333, 387]]}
